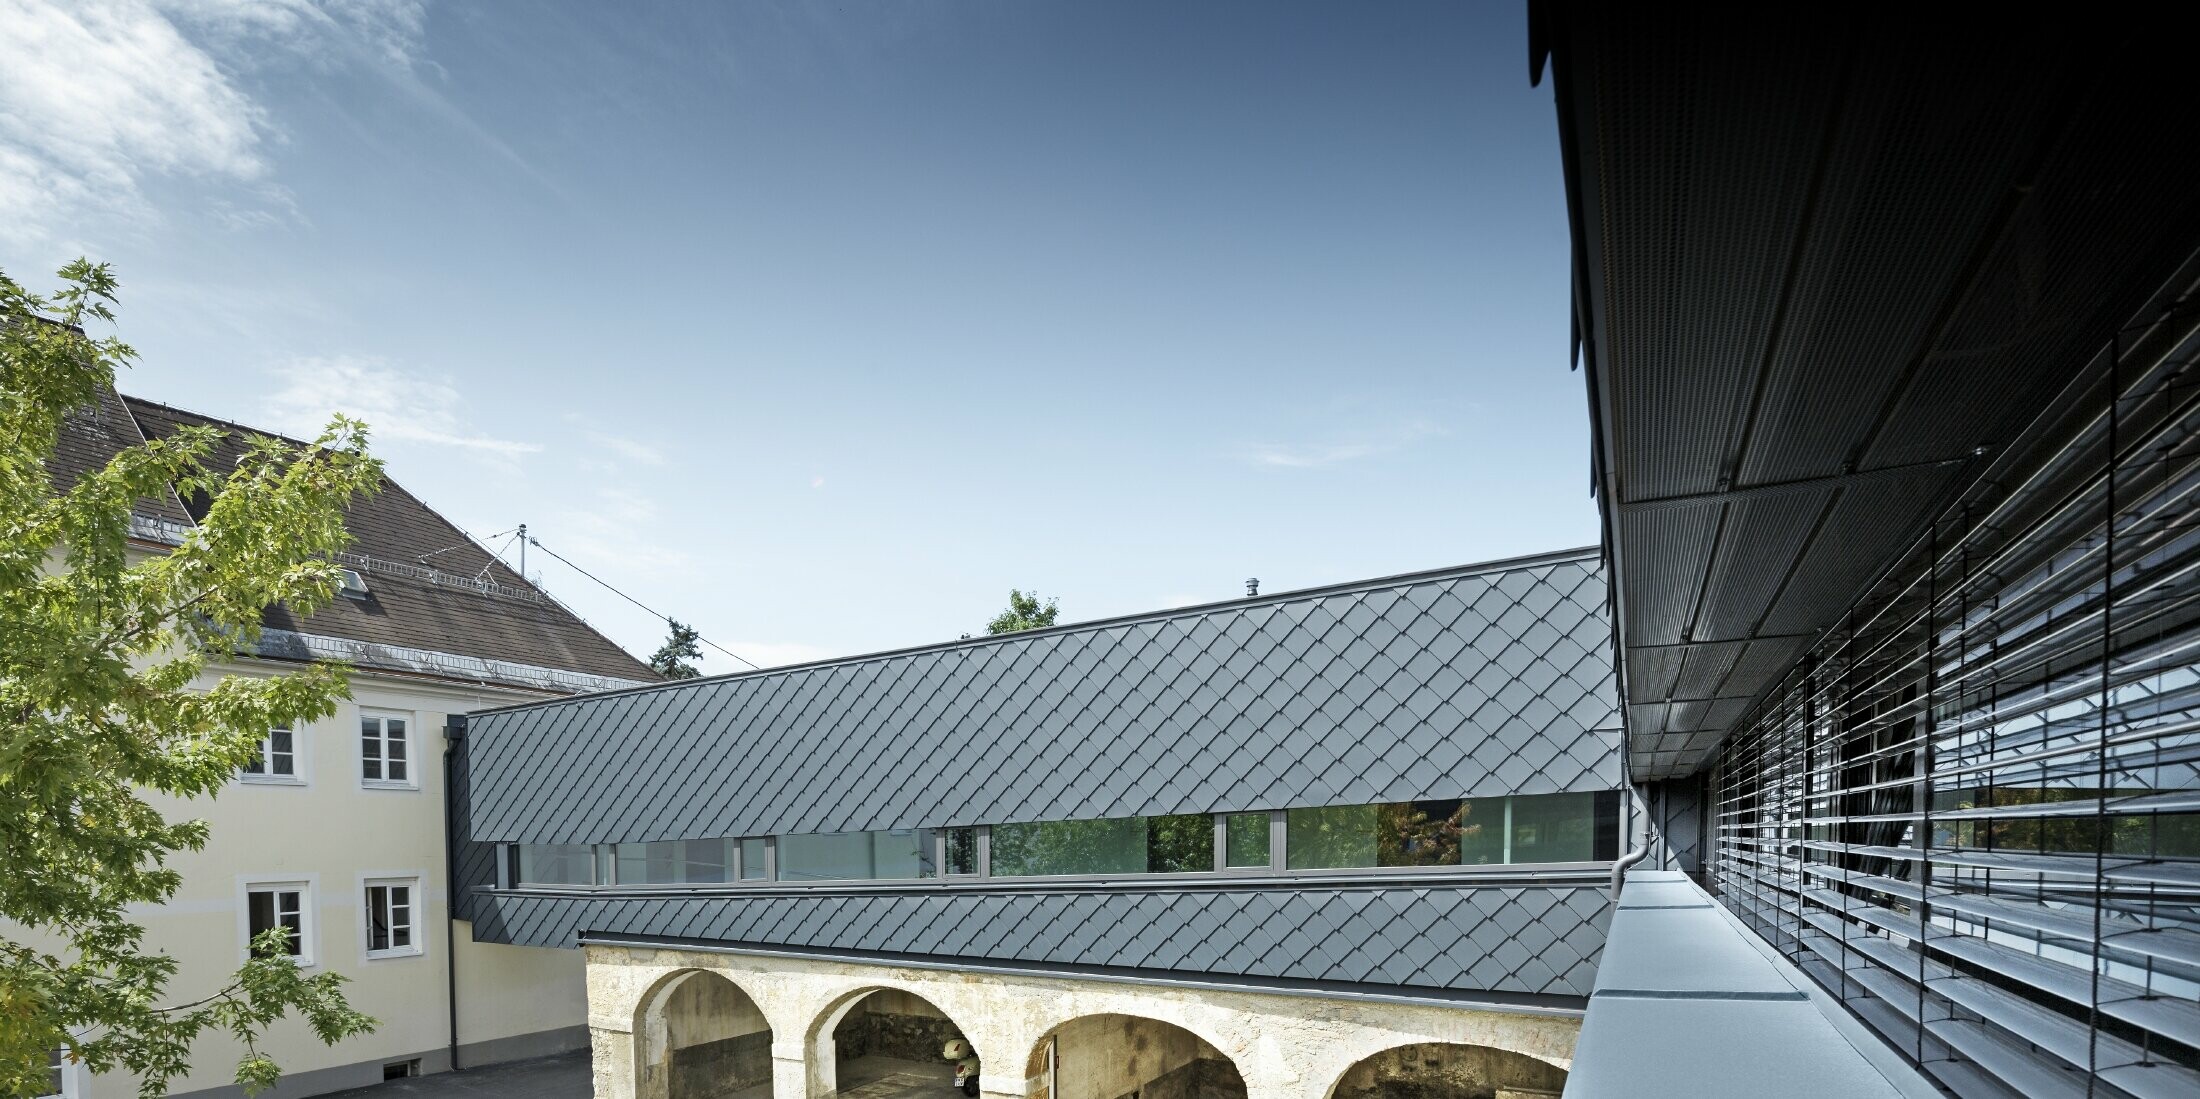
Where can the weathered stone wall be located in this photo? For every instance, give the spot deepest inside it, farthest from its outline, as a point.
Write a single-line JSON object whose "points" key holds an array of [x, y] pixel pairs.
{"points": [[1198, 1078], [1447, 1072], [716, 1068], [1283, 1046], [1129, 1057], [893, 1034]]}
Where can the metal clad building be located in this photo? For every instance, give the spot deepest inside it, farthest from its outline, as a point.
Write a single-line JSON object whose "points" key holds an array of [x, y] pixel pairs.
{"points": [[1469, 683]]}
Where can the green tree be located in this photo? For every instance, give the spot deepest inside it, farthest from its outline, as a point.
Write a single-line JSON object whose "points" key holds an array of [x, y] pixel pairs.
{"points": [[1024, 612], [101, 704], [676, 658]]}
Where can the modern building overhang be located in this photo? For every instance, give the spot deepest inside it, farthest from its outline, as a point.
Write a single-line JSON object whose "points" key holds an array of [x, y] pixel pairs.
{"points": [[1826, 269]]}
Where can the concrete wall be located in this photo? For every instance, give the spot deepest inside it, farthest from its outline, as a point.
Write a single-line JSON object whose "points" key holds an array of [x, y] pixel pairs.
{"points": [[1448, 1072], [1282, 1046]]}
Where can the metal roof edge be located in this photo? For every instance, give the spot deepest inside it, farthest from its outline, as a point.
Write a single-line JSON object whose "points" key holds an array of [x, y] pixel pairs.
{"points": [[1505, 564]]}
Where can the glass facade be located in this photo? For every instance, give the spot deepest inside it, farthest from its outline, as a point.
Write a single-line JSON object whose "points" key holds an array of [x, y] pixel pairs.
{"points": [[960, 846], [856, 856], [1119, 845], [1245, 839], [1498, 831], [1444, 832], [555, 864], [673, 862]]}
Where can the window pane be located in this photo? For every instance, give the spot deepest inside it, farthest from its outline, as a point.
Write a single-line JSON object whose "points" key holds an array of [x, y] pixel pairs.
{"points": [[258, 766], [1482, 831], [1554, 828], [556, 864], [370, 768], [1180, 844], [962, 851], [397, 769], [378, 926], [1421, 833], [401, 915], [259, 912], [1115, 846], [1329, 838], [755, 860], [54, 1079], [842, 856], [706, 861], [1245, 836], [825, 856], [903, 853], [655, 863]]}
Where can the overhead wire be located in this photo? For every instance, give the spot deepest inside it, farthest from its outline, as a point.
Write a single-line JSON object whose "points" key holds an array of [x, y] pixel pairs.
{"points": [[477, 543], [653, 612]]}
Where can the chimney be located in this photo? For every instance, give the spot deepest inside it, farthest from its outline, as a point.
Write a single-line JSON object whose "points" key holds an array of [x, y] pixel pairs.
{"points": [[1252, 586]]}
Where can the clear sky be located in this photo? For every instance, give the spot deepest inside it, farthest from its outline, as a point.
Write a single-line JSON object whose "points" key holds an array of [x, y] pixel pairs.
{"points": [[820, 325]]}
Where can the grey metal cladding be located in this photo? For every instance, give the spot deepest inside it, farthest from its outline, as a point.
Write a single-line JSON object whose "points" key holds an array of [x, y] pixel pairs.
{"points": [[1536, 939], [1470, 681]]}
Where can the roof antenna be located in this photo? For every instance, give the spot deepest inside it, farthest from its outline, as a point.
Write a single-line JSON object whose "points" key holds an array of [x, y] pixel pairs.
{"points": [[1252, 586]]}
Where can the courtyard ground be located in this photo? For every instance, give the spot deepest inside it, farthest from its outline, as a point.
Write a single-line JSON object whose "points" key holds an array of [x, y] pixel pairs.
{"points": [[563, 1076], [566, 1076]]}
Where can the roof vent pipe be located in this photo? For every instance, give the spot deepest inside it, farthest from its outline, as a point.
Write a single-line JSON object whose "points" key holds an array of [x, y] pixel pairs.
{"points": [[1252, 586]]}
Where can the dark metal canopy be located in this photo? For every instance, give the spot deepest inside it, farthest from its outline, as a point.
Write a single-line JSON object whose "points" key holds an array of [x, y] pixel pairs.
{"points": [[1826, 264]]}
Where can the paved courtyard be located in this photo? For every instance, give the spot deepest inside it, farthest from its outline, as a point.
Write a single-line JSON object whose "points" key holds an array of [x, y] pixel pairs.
{"points": [[566, 1076], [563, 1076]]}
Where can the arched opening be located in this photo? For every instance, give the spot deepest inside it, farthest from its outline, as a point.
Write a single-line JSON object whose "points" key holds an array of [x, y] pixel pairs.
{"points": [[698, 1036], [1128, 1057], [885, 1043], [1449, 1070]]}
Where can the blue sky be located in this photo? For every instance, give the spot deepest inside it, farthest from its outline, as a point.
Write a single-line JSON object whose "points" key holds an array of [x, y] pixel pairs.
{"points": [[822, 325]]}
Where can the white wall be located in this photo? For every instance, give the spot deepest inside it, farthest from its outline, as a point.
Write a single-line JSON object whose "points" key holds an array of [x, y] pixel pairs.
{"points": [[333, 833]]}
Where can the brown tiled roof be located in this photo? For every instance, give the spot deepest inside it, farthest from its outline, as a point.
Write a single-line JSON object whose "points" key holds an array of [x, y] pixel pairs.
{"points": [[406, 604], [90, 438]]}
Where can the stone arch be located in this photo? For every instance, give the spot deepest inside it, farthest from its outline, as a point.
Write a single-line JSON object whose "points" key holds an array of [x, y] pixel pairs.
{"points": [[1114, 1055], [698, 1035], [890, 1029], [1447, 1070]]}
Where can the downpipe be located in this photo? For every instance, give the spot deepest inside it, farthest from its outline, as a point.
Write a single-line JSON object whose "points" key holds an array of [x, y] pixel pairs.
{"points": [[454, 733], [1644, 837]]}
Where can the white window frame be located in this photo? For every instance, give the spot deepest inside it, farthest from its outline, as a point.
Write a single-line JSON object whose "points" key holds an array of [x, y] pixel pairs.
{"points": [[297, 775], [417, 898], [70, 1087], [411, 781], [307, 886]]}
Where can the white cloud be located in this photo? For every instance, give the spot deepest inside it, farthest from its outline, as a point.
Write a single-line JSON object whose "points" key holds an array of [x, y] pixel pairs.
{"points": [[1313, 456], [395, 404], [639, 453], [97, 96]]}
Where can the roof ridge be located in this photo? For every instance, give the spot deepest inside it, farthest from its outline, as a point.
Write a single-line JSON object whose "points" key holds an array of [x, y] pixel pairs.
{"points": [[1502, 564], [505, 575], [131, 403]]}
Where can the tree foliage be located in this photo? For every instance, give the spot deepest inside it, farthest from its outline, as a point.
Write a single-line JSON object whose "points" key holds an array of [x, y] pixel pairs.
{"points": [[676, 658], [1024, 612], [103, 704]]}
